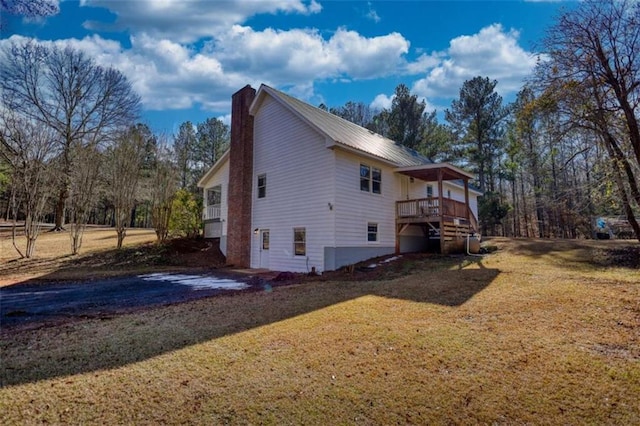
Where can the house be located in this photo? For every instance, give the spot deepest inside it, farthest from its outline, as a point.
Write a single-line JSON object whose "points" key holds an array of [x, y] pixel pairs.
{"points": [[301, 189]]}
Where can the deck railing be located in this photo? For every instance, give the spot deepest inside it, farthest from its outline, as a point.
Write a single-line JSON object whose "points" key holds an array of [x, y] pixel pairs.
{"points": [[430, 207], [211, 212]]}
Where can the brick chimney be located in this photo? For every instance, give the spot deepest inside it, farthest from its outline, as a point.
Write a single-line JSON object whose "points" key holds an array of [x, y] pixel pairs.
{"points": [[240, 179]]}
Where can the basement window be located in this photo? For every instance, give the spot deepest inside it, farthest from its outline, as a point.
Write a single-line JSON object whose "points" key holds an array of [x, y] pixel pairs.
{"points": [[372, 232], [262, 186], [299, 241]]}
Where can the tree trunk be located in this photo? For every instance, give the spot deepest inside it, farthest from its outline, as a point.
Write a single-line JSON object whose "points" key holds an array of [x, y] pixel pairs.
{"points": [[59, 221], [516, 210], [525, 210], [122, 232]]}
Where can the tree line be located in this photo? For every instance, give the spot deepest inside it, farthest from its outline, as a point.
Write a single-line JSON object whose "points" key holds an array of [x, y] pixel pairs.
{"points": [[566, 151], [72, 150]]}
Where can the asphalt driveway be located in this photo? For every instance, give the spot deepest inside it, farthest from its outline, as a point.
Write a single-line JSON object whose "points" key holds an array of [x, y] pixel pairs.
{"points": [[24, 303]]}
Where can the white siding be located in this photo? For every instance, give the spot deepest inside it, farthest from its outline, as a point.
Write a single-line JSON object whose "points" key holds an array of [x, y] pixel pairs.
{"points": [[355, 208], [300, 174], [220, 177]]}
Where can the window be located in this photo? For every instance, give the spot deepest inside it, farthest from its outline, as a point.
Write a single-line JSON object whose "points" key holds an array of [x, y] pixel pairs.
{"points": [[262, 186], [376, 180], [429, 190], [214, 196], [265, 240], [365, 176], [299, 241], [370, 179], [448, 193], [372, 232]]}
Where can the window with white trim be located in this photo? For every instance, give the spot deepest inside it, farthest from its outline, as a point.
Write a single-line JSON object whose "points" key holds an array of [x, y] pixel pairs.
{"points": [[262, 186], [372, 232], [214, 195], [370, 179], [299, 241]]}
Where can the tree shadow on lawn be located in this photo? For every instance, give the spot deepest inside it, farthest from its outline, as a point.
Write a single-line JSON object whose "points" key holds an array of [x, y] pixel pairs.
{"points": [[113, 341], [576, 253]]}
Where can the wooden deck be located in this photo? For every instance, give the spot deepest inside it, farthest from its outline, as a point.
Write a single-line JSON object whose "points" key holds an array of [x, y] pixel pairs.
{"points": [[429, 210], [452, 220]]}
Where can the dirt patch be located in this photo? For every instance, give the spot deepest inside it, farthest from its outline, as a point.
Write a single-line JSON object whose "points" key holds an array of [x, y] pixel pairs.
{"points": [[195, 252], [626, 257], [177, 251]]}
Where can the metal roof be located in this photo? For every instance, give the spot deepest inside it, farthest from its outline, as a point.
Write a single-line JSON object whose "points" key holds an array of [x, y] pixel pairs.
{"points": [[429, 172], [344, 133]]}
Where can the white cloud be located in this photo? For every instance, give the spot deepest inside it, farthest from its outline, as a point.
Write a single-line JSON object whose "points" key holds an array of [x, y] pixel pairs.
{"points": [[226, 119], [382, 101], [299, 56], [493, 52], [165, 74], [423, 63], [188, 21], [372, 14], [170, 75]]}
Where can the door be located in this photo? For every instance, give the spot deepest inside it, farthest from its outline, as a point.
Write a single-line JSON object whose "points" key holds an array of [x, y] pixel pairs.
{"points": [[404, 188], [264, 248]]}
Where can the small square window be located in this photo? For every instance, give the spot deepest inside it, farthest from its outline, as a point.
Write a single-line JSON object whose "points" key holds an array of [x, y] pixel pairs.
{"points": [[372, 232], [262, 186], [299, 241]]}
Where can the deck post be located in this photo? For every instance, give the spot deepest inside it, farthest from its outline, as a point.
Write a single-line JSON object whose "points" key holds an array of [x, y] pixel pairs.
{"points": [[466, 199], [441, 212]]}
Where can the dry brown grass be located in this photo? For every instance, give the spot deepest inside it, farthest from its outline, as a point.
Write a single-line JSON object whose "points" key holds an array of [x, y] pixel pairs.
{"points": [[53, 259], [536, 333]]}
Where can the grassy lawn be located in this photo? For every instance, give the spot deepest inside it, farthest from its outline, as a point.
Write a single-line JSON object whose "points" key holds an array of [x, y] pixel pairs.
{"points": [[53, 258], [538, 332]]}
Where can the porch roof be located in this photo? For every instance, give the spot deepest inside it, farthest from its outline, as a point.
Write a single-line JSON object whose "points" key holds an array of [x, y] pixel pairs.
{"points": [[429, 172]]}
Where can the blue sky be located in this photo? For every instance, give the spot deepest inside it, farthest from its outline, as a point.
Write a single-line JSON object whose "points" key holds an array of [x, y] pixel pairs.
{"points": [[186, 58]]}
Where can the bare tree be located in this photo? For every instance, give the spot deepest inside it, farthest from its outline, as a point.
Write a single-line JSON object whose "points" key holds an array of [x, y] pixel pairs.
{"points": [[28, 149], [124, 162], [64, 90], [164, 184], [355, 112], [593, 73], [82, 190], [28, 8]]}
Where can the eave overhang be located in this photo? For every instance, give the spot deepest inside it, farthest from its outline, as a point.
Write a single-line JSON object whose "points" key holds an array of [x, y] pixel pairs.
{"points": [[430, 172]]}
